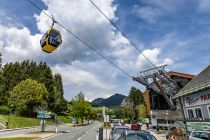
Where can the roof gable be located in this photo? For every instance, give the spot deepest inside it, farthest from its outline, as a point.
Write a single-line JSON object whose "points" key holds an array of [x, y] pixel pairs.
{"points": [[199, 82]]}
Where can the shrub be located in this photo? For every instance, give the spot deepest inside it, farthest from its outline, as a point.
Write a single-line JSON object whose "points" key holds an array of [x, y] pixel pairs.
{"points": [[4, 110]]}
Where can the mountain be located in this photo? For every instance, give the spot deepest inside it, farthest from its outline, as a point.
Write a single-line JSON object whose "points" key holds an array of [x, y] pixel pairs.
{"points": [[114, 100]]}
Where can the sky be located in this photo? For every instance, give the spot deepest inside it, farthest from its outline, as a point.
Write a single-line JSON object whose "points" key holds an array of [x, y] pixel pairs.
{"points": [[176, 33]]}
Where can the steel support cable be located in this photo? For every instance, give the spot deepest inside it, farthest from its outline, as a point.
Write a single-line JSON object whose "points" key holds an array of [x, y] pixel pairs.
{"points": [[123, 34], [86, 44]]}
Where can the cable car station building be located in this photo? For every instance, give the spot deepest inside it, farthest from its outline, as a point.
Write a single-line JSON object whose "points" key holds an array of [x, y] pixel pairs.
{"points": [[158, 109], [195, 98]]}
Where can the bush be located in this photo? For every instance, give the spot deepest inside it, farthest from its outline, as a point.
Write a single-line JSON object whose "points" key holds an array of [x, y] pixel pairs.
{"points": [[4, 110]]}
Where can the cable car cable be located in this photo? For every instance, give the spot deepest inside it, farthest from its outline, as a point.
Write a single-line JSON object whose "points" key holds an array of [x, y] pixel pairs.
{"points": [[120, 69], [122, 34]]}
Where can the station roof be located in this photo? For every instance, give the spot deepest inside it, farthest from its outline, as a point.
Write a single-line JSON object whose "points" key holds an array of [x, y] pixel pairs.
{"points": [[198, 83]]}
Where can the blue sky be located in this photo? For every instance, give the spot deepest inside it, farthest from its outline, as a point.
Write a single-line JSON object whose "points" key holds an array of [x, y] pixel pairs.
{"points": [[168, 32]]}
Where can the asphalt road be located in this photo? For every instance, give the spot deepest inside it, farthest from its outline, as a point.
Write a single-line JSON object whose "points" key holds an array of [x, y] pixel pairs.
{"points": [[88, 132]]}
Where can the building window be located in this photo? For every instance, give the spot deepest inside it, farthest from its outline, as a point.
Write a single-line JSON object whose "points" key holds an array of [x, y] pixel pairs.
{"points": [[209, 110], [190, 113], [198, 113]]}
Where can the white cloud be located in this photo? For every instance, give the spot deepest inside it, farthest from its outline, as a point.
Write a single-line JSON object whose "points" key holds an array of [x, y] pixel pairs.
{"points": [[152, 55], [148, 13], [18, 44], [81, 69], [166, 61], [152, 10], [204, 5], [76, 76]]}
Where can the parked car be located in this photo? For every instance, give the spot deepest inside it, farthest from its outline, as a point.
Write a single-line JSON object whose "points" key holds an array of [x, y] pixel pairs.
{"points": [[135, 126], [116, 131], [136, 135], [116, 124], [200, 135]]}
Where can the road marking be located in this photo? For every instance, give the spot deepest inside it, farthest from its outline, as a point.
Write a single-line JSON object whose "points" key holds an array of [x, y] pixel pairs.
{"points": [[86, 133], [52, 136]]}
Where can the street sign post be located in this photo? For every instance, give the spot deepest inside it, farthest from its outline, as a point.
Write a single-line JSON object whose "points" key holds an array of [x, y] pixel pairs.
{"points": [[42, 115], [73, 120]]}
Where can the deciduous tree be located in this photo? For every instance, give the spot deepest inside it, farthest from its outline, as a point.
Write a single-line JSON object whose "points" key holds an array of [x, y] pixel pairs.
{"points": [[27, 95]]}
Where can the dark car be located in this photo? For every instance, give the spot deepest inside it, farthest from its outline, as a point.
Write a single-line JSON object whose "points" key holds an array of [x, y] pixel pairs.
{"points": [[136, 135], [135, 126]]}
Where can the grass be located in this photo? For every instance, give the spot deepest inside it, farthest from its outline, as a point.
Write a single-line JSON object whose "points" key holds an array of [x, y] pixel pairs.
{"points": [[65, 119], [17, 122]]}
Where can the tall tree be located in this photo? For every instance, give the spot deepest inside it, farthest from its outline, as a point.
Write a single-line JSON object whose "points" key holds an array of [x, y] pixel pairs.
{"points": [[46, 77], [13, 73], [135, 98], [80, 96], [0, 60], [58, 85], [60, 104], [142, 111], [81, 108], [3, 94], [27, 95]]}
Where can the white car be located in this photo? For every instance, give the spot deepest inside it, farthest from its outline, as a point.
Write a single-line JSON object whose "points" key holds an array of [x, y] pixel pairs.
{"points": [[200, 135]]}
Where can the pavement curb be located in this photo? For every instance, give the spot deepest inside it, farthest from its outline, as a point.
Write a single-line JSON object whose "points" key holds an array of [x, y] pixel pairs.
{"points": [[13, 129], [4, 130]]}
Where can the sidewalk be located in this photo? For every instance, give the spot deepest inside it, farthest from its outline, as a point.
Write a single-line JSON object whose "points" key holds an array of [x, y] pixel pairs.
{"points": [[13, 129], [106, 134]]}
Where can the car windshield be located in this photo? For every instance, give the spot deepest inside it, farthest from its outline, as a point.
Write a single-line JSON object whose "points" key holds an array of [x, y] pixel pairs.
{"points": [[135, 137], [140, 137], [120, 130]]}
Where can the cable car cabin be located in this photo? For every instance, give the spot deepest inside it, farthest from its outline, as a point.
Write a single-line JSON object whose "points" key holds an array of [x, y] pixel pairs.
{"points": [[51, 40]]}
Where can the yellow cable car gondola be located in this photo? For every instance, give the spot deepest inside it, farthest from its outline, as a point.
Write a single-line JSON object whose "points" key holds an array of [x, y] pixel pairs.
{"points": [[51, 40]]}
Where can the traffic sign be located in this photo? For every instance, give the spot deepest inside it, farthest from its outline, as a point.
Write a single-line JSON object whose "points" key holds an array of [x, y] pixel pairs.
{"points": [[73, 119], [43, 115]]}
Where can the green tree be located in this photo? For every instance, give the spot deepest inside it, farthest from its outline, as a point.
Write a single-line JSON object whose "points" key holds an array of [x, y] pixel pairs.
{"points": [[82, 109], [27, 95], [3, 94], [141, 111], [46, 77], [135, 98], [119, 112], [80, 96], [0, 60], [60, 104], [13, 73]]}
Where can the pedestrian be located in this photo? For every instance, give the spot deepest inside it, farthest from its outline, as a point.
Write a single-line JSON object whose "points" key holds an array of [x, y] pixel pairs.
{"points": [[147, 126], [158, 128]]}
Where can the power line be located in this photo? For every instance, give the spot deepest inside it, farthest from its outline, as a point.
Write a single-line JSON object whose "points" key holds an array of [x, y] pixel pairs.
{"points": [[89, 46], [122, 33]]}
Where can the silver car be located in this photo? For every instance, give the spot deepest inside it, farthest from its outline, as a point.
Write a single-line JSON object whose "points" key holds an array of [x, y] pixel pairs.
{"points": [[200, 135], [116, 131]]}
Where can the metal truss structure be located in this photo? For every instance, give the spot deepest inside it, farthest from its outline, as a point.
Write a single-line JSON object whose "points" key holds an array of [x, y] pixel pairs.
{"points": [[157, 80]]}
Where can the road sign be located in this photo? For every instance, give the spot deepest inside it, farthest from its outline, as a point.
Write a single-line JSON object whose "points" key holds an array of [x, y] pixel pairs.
{"points": [[43, 115], [73, 119]]}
